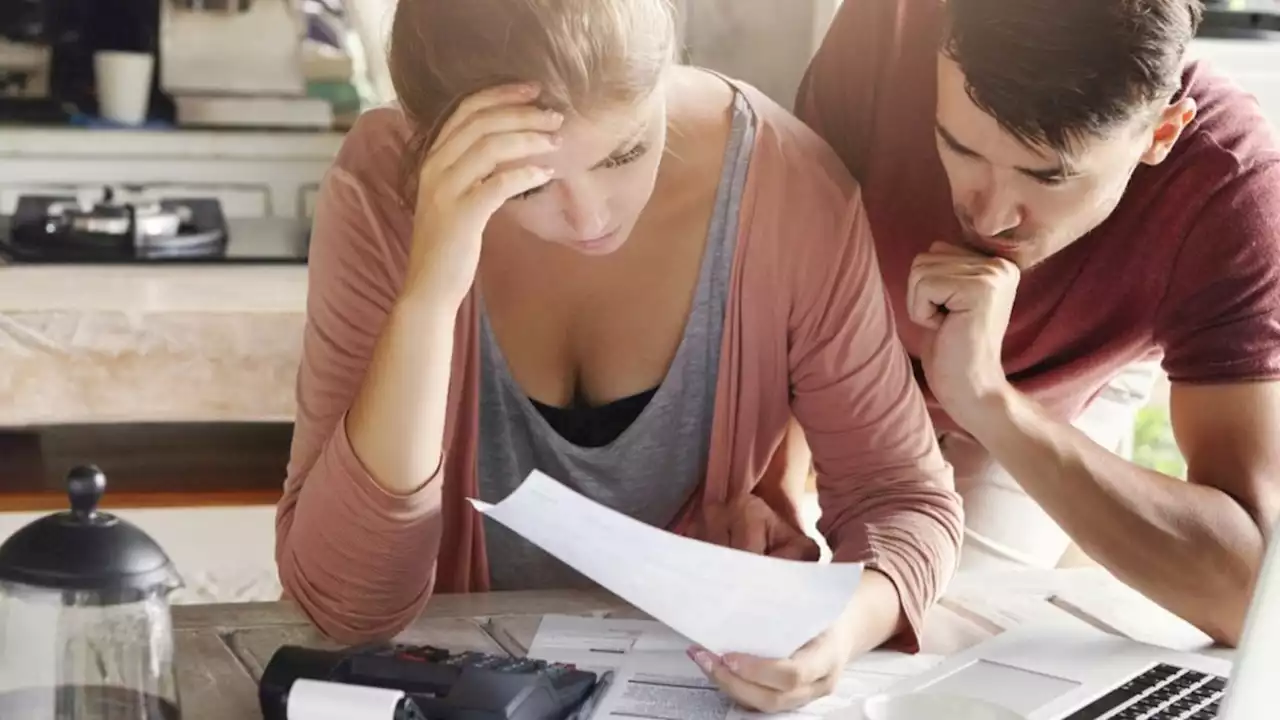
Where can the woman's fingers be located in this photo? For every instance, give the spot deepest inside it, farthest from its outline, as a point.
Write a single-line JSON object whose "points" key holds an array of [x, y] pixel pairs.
{"points": [[500, 187], [502, 95], [484, 126], [490, 154]]}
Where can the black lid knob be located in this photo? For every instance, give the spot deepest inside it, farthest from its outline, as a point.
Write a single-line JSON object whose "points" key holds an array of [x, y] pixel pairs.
{"points": [[85, 486], [87, 549]]}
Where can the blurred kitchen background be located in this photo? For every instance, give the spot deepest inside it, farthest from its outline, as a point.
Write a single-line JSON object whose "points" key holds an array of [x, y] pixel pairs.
{"points": [[244, 101], [159, 161]]}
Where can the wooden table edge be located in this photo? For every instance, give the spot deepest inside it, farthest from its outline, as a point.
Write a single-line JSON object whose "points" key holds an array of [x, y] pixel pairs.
{"points": [[480, 607], [52, 501]]}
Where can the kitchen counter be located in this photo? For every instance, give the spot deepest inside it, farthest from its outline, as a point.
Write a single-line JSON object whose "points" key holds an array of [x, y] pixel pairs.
{"points": [[152, 342]]}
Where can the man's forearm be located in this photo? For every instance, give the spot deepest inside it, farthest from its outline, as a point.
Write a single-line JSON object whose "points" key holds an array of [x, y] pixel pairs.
{"points": [[1191, 548]]}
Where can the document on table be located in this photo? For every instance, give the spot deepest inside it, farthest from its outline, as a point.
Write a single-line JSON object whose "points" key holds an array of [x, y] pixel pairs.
{"points": [[1121, 610], [655, 680], [723, 599], [1091, 596]]}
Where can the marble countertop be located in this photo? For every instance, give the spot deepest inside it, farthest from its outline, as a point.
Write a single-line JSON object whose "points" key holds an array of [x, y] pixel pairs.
{"points": [[153, 289], [154, 342]]}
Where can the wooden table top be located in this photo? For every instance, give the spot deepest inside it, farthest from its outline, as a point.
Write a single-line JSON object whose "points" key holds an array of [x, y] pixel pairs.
{"points": [[222, 649]]}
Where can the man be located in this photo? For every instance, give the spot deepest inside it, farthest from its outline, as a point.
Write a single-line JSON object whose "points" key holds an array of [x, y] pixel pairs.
{"points": [[1058, 193]]}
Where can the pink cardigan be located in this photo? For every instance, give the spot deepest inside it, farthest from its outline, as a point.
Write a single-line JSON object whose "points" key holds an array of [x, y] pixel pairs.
{"points": [[808, 333]]}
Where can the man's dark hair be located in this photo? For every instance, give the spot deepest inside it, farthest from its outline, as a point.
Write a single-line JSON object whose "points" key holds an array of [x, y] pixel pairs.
{"points": [[1054, 72]]}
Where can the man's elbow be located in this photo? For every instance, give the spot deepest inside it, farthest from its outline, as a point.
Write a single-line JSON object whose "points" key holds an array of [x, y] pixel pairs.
{"points": [[1227, 618], [1223, 613], [1222, 630]]}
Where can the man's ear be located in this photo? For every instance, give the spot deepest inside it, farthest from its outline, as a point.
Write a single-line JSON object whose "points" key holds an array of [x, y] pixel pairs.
{"points": [[1168, 128]]}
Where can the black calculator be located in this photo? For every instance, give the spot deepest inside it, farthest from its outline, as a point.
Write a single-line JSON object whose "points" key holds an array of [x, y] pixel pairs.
{"points": [[443, 685]]}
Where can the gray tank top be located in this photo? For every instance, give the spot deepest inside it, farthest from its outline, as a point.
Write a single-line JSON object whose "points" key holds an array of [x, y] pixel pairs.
{"points": [[650, 470]]}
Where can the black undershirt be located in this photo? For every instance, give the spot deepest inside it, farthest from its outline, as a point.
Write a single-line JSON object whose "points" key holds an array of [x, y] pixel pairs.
{"points": [[595, 426]]}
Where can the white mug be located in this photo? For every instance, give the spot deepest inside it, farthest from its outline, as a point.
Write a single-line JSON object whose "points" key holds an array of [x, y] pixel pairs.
{"points": [[928, 706], [124, 85]]}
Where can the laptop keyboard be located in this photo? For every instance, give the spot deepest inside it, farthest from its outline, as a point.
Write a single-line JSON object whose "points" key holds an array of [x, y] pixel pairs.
{"points": [[1164, 692]]}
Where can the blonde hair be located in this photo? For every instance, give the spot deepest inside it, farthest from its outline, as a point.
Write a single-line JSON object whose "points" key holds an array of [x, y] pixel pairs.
{"points": [[587, 55]]}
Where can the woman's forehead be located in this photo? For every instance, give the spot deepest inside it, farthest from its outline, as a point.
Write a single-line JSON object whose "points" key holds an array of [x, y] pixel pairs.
{"points": [[592, 138]]}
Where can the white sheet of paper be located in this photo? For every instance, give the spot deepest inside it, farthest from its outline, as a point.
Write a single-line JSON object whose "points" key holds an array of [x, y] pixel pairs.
{"points": [[1090, 595], [725, 600], [997, 613], [654, 679], [560, 634], [1120, 609]]}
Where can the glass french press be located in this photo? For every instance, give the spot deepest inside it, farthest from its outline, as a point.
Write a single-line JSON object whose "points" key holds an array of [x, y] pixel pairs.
{"points": [[85, 625]]}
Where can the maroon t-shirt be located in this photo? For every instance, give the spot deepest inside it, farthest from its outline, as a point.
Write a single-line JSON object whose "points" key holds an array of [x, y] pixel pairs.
{"points": [[1186, 269]]}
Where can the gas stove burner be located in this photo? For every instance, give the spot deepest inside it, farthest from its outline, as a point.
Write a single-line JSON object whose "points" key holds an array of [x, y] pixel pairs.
{"points": [[145, 220], [117, 227]]}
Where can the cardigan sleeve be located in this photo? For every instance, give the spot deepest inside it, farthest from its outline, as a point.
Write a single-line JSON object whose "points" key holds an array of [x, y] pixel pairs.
{"points": [[887, 494], [357, 560]]}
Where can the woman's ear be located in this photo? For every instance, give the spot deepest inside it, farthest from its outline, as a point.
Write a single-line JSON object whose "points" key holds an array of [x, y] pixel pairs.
{"points": [[1168, 128]]}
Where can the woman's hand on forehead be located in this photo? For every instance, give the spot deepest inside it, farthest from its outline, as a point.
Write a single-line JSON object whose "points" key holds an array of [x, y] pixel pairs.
{"points": [[481, 157]]}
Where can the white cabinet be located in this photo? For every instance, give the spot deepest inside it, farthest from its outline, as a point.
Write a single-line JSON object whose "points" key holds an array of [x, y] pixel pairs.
{"points": [[1252, 63], [307, 201], [253, 174]]}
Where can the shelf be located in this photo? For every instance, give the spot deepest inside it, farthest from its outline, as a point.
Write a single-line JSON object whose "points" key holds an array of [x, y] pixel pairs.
{"points": [[154, 465], [17, 141]]}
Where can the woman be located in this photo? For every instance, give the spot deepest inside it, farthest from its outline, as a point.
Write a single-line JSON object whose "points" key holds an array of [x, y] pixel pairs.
{"points": [[626, 273]]}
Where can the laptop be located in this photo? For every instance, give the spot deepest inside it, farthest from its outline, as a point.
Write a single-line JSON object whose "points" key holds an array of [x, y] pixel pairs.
{"points": [[1071, 672]]}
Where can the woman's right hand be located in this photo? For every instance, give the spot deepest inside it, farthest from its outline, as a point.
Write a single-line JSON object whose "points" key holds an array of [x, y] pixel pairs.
{"points": [[750, 525], [472, 168]]}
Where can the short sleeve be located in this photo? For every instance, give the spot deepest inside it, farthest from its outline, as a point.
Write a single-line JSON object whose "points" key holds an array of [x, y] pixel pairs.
{"points": [[1220, 318], [837, 94]]}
